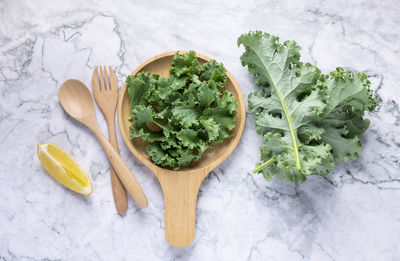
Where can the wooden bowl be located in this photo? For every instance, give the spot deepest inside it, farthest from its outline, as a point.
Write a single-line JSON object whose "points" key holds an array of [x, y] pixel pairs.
{"points": [[180, 187]]}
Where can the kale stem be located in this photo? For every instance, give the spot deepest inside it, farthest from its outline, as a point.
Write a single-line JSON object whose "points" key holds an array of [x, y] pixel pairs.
{"points": [[265, 164], [288, 116]]}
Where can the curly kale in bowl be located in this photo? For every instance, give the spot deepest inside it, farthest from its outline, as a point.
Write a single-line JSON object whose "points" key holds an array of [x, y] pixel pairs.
{"points": [[183, 115]]}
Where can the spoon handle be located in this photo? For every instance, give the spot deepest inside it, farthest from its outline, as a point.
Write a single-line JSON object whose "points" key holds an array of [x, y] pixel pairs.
{"points": [[125, 175]]}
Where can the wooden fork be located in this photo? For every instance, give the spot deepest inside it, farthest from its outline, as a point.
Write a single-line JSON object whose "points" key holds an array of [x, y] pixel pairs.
{"points": [[105, 90]]}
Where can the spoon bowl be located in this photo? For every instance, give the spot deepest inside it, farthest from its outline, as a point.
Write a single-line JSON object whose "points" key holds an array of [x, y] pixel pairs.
{"points": [[180, 188], [76, 99]]}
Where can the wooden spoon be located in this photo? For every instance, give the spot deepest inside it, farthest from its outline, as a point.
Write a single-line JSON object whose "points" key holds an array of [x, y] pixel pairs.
{"points": [[77, 101], [180, 188]]}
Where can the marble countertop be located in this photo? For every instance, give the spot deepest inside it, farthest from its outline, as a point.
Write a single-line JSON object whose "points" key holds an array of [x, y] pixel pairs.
{"points": [[352, 214]]}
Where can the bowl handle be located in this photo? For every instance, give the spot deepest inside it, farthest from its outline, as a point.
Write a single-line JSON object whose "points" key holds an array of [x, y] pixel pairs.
{"points": [[180, 191]]}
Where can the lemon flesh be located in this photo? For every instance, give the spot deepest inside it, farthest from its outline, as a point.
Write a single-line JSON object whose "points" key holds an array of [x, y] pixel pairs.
{"points": [[63, 168]]}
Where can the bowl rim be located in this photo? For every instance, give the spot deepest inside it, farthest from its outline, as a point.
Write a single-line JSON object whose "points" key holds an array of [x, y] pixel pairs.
{"points": [[147, 162]]}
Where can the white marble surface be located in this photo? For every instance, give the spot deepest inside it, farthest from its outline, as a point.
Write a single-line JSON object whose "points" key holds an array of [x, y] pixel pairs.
{"points": [[353, 214]]}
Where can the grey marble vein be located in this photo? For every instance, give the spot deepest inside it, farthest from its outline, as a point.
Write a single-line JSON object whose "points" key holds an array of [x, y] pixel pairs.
{"points": [[352, 214]]}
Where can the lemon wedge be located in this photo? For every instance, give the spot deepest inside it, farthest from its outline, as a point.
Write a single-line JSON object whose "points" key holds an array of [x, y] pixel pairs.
{"points": [[63, 168]]}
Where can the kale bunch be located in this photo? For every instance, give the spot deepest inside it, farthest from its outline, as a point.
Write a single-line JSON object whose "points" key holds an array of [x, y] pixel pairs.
{"points": [[308, 120]]}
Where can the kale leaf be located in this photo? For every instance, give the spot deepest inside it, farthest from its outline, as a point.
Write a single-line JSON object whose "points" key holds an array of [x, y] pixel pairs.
{"points": [[308, 120]]}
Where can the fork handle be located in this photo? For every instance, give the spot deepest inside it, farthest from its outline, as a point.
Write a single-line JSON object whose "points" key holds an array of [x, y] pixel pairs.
{"points": [[119, 191], [128, 180]]}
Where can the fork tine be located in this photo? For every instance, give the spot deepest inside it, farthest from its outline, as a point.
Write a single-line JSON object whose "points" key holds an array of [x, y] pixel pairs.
{"points": [[95, 79], [113, 78], [106, 79], [102, 86]]}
